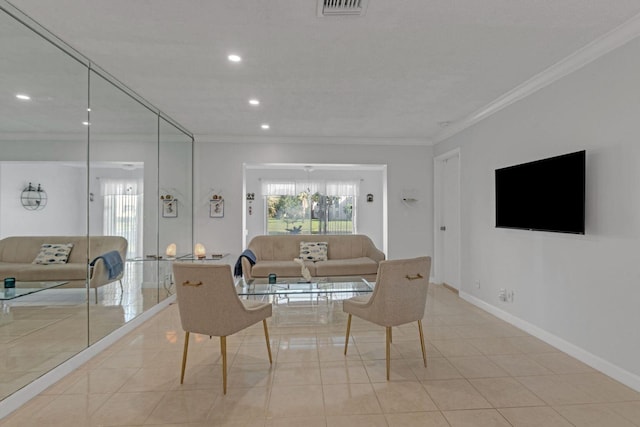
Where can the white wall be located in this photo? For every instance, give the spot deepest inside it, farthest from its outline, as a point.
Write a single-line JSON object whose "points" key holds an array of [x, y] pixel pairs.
{"points": [[65, 212], [579, 291], [219, 166]]}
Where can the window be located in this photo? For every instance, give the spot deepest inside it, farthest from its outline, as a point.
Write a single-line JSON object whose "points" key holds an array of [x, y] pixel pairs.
{"points": [[310, 207], [123, 212]]}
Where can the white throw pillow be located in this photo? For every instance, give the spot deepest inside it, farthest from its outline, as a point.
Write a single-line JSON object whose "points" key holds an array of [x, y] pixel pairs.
{"points": [[314, 251], [53, 253]]}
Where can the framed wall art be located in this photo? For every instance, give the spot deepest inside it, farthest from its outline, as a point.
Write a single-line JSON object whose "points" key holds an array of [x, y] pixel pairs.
{"points": [[170, 208], [216, 208]]}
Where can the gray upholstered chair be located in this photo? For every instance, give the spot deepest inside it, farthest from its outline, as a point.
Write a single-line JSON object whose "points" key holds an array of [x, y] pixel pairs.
{"points": [[399, 297], [209, 305]]}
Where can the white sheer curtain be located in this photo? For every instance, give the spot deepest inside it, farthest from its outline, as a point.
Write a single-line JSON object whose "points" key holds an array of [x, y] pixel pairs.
{"points": [[279, 188], [293, 188], [342, 188], [121, 187], [123, 201], [310, 187]]}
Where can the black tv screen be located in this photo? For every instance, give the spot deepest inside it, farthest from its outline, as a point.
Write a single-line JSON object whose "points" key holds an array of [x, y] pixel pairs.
{"points": [[545, 195]]}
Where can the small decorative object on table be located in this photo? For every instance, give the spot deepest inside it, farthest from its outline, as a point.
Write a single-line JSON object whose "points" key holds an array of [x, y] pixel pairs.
{"points": [[9, 282], [304, 270], [171, 250], [200, 251]]}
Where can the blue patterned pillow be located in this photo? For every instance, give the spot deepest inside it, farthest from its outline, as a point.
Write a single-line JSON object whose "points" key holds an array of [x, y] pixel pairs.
{"points": [[53, 253], [314, 251]]}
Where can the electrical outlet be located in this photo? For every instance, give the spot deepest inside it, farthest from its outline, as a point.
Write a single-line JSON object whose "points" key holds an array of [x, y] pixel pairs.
{"points": [[510, 295], [478, 284], [502, 295]]}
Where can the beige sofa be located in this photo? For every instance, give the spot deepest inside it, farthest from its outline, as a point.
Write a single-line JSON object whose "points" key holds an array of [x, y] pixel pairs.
{"points": [[18, 252], [348, 255]]}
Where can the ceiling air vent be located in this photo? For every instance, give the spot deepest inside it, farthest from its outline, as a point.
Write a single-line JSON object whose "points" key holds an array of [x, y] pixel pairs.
{"points": [[341, 7]]}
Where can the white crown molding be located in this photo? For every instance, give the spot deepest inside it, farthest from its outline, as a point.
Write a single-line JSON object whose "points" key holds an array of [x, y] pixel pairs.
{"points": [[610, 41], [235, 139], [44, 137], [70, 137], [337, 140]]}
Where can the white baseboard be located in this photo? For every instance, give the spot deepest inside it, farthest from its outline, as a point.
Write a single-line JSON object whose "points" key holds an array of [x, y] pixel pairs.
{"points": [[625, 377], [31, 390]]}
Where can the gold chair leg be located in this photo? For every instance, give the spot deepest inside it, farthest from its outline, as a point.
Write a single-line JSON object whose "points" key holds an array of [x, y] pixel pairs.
{"points": [[266, 336], [388, 351], [390, 335], [184, 356], [223, 351], [424, 352], [346, 340], [96, 293]]}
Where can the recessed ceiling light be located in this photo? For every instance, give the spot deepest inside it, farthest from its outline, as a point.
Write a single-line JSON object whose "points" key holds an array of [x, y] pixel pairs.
{"points": [[254, 101], [23, 97], [265, 126], [234, 58], [88, 109], [85, 123]]}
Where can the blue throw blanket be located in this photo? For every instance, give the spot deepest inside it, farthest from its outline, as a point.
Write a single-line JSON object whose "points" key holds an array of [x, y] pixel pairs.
{"points": [[113, 263], [248, 254]]}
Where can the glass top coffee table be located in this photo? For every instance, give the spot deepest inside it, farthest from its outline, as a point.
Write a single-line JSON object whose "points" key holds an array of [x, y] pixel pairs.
{"points": [[348, 285], [26, 288], [297, 302]]}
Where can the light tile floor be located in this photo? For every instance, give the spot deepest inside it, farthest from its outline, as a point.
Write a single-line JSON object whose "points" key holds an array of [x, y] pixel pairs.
{"points": [[42, 330], [481, 372]]}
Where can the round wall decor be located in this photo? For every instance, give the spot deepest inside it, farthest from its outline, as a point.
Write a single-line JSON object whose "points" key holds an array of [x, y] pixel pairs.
{"points": [[32, 198]]}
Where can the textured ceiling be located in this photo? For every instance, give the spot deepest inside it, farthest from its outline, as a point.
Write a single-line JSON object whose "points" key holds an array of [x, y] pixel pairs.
{"points": [[393, 74]]}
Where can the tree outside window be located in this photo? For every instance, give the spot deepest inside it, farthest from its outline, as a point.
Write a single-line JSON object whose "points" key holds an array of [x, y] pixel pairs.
{"points": [[310, 214]]}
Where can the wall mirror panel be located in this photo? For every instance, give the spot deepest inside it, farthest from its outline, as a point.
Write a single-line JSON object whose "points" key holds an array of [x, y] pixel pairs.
{"points": [[43, 142], [82, 164], [175, 231], [123, 170]]}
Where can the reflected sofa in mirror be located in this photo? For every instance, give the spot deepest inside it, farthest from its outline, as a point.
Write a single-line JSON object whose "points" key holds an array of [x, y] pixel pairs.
{"points": [[43, 329], [94, 148]]}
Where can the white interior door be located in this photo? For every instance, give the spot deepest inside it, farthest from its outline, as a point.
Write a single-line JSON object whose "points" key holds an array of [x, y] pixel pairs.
{"points": [[450, 221]]}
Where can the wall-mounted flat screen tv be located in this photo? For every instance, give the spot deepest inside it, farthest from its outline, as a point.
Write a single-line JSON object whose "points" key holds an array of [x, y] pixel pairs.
{"points": [[544, 195]]}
